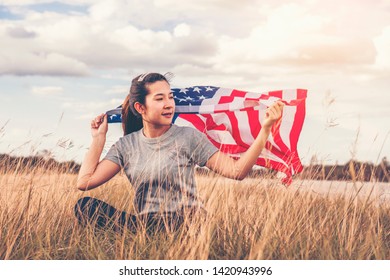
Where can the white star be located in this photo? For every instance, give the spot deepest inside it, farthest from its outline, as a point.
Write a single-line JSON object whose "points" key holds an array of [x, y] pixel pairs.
{"points": [[202, 97], [209, 89], [184, 90], [198, 90], [182, 100], [112, 117], [189, 98]]}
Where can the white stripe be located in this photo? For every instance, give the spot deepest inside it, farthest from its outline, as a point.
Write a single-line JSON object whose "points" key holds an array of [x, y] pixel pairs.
{"points": [[237, 104], [289, 94], [244, 128], [210, 109], [253, 95], [182, 122], [271, 140], [269, 102], [287, 124], [256, 95], [222, 137], [187, 109], [267, 154], [222, 118], [202, 118], [288, 117], [217, 96]]}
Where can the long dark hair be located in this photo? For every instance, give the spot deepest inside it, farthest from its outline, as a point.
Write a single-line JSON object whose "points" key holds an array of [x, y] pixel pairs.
{"points": [[131, 119]]}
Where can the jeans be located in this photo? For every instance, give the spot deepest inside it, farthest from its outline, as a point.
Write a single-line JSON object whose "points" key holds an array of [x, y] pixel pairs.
{"points": [[101, 215]]}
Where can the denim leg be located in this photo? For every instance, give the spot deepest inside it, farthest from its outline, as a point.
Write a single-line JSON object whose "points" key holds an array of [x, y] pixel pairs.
{"points": [[92, 210]]}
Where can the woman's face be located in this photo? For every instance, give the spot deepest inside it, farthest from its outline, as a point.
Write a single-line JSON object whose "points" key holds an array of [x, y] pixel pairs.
{"points": [[159, 104]]}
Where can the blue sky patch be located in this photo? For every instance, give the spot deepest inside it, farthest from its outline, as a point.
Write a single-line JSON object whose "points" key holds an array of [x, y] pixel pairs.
{"points": [[5, 13]]}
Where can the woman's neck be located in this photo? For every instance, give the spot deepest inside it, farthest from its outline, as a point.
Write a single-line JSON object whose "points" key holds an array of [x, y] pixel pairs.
{"points": [[153, 131]]}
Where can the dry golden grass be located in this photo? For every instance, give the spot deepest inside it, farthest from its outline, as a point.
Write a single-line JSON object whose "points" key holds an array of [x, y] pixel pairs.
{"points": [[251, 219]]}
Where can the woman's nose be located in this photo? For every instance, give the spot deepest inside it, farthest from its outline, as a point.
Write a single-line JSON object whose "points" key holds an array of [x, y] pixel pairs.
{"points": [[170, 103]]}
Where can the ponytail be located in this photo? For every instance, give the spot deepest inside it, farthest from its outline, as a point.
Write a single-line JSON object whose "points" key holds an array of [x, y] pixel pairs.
{"points": [[130, 122]]}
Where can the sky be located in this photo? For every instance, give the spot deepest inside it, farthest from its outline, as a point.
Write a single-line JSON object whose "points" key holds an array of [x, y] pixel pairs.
{"points": [[64, 62]]}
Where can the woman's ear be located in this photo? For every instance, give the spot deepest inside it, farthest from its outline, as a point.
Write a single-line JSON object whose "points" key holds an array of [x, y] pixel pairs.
{"points": [[139, 108]]}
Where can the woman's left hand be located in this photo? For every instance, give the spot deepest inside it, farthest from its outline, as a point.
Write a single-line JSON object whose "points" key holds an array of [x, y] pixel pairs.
{"points": [[273, 114]]}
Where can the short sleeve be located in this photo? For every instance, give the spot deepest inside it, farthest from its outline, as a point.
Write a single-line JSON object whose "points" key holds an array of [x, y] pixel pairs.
{"points": [[115, 155], [202, 148]]}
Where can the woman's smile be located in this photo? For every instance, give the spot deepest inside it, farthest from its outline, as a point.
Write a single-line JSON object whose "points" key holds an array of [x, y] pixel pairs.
{"points": [[168, 115]]}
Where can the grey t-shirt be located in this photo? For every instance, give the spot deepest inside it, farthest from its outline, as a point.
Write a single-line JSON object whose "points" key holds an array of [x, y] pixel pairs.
{"points": [[162, 169]]}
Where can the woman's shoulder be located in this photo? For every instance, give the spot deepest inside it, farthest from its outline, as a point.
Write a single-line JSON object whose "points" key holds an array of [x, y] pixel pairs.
{"points": [[128, 138]]}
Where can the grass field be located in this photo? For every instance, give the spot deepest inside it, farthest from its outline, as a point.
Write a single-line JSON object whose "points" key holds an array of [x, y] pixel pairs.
{"points": [[249, 219]]}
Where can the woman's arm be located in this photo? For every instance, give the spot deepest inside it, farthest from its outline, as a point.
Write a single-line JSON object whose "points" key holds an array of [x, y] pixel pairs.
{"points": [[92, 172], [239, 169]]}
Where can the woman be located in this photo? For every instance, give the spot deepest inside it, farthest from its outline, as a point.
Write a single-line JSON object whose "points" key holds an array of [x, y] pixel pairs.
{"points": [[158, 158]]}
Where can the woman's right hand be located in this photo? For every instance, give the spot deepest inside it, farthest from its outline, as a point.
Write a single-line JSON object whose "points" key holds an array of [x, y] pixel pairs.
{"points": [[99, 126], [273, 113]]}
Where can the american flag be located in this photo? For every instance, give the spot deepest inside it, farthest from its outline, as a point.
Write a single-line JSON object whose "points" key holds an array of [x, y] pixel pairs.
{"points": [[232, 119]]}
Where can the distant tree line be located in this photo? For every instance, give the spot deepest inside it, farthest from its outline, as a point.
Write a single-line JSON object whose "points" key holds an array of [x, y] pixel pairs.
{"points": [[10, 164], [352, 170]]}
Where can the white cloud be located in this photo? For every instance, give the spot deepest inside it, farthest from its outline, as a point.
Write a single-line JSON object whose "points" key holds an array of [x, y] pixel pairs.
{"points": [[204, 5], [52, 64], [120, 90], [34, 2], [104, 39], [75, 44], [96, 107], [20, 32], [293, 36], [182, 30], [85, 117], [103, 10], [46, 91], [382, 43], [22, 2]]}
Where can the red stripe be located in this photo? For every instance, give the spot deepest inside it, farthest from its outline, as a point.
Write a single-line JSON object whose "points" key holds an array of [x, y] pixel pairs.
{"points": [[296, 130], [276, 93], [254, 122], [278, 139], [229, 98], [235, 129], [226, 148], [195, 120]]}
